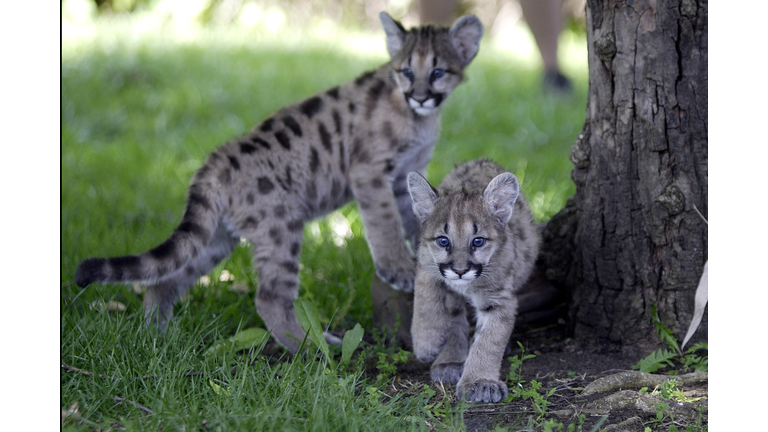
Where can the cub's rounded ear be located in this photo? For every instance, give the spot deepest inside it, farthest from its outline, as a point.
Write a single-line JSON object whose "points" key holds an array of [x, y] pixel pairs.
{"points": [[395, 33], [500, 196], [423, 196], [465, 35]]}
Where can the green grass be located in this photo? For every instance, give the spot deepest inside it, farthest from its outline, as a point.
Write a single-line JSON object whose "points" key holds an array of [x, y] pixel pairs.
{"points": [[232, 393], [140, 111]]}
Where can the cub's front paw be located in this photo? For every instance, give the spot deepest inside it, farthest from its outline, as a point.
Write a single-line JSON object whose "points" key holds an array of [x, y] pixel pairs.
{"points": [[399, 275], [446, 372], [486, 391]]}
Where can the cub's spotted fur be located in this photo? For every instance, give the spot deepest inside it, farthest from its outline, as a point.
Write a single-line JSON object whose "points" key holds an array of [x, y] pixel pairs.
{"points": [[479, 244], [358, 140]]}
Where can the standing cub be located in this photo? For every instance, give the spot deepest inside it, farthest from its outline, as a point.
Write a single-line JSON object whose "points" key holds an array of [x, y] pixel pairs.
{"points": [[358, 140], [479, 243]]}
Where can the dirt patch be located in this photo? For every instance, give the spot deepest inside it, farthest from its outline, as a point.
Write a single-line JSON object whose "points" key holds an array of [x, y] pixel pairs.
{"points": [[569, 366], [592, 384]]}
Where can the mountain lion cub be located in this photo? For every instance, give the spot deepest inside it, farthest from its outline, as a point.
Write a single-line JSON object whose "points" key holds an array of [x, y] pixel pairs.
{"points": [[358, 140], [479, 244]]}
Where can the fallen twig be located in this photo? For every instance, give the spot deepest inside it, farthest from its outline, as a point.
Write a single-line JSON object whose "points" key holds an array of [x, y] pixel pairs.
{"points": [[139, 406], [69, 368]]}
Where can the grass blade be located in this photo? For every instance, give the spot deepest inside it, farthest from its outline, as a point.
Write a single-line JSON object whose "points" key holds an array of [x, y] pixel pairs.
{"points": [[244, 339], [309, 318]]}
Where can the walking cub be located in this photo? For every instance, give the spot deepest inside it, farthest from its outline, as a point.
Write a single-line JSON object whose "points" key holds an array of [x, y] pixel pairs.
{"points": [[479, 243], [358, 140]]}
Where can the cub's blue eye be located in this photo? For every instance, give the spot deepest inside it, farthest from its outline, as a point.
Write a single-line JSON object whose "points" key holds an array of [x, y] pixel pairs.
{"points": [[479, 241], [407, 73], [437, 73], [443, 242]]}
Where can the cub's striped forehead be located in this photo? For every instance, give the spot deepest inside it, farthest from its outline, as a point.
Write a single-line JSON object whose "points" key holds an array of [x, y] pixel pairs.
{"points": [[421, 43], [459, 214], [420, 60], [460, 226]]}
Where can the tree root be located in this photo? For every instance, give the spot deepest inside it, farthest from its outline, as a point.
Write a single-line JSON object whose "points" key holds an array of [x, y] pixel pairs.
{"points": [[637, 379]]}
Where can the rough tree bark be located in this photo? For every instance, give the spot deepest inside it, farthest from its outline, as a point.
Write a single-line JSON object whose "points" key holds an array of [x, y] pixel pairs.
{"points": [[633, 236]]}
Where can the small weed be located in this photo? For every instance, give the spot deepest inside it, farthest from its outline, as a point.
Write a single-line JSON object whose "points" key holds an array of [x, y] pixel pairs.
{"points": [[663, 414], [554, 425], [401, 356], [573, 427], [540, 402], [373, 396], [695, 362], [516, 365], [439, 410], [669, 390], [384, 347], [519, 391], [387, 364], [385, 339], [385, 367], [668, 359], [427, 392]]}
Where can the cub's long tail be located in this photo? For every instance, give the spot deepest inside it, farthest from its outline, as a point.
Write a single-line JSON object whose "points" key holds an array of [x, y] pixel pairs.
{"points": [[190, 238]]}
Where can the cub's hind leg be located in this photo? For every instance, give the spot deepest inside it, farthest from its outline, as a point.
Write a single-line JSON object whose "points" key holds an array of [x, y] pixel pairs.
{"points": [[161, 296], [276, 257]]}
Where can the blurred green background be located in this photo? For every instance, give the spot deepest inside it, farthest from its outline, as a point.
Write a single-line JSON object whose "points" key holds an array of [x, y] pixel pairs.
{"points": [[149, 88]]}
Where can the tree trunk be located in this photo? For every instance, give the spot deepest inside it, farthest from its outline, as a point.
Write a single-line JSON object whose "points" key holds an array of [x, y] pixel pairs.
{"points": [[640, 168]]}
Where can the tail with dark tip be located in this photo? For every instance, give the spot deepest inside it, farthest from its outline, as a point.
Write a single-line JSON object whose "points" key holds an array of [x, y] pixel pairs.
{"points": [[188, 240]]}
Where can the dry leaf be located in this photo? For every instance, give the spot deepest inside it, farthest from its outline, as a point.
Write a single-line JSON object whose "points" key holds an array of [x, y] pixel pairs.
{"points": [[66, 413], [702, 294], [700, 302], [112, 306]]}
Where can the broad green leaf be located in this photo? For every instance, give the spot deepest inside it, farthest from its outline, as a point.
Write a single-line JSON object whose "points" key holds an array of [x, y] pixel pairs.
{"points": [[309, 318], [350, 343], [219, 390], [696, 347], [702, 366], [244, 339], [657, 360]]}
